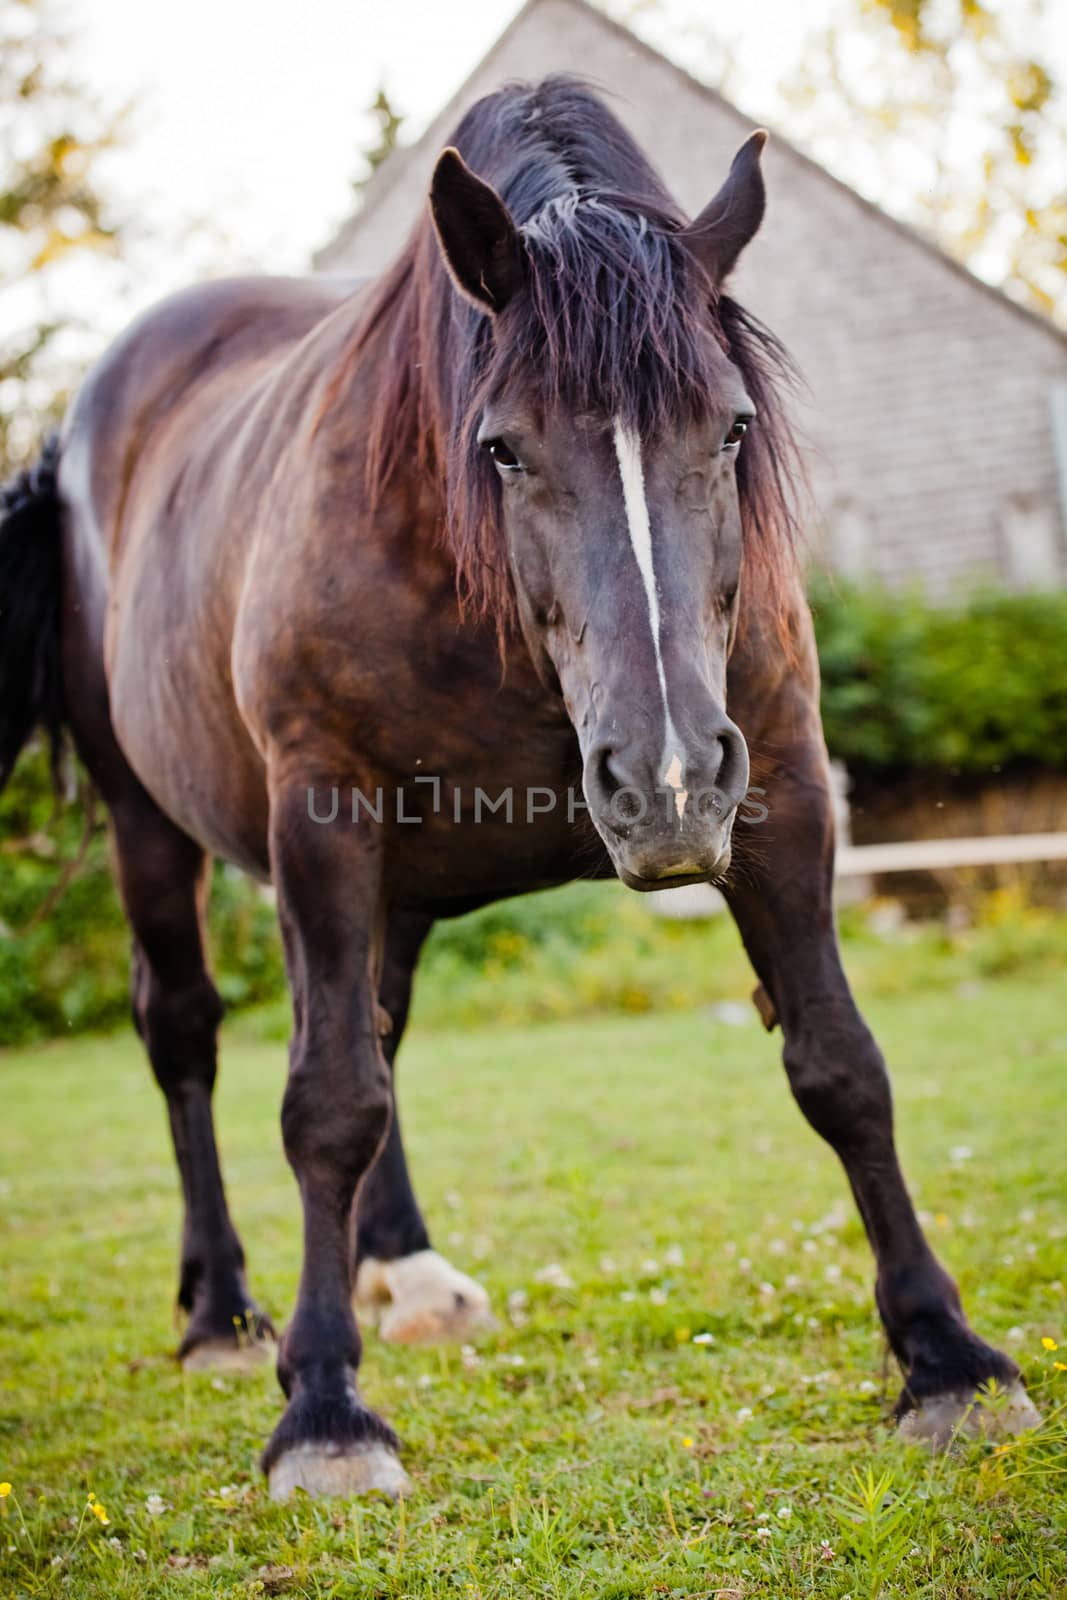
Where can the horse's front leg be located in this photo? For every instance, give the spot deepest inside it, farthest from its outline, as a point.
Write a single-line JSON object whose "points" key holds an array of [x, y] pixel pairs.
{"points": [[402, 1284], [782, 902], [335, 1116]]}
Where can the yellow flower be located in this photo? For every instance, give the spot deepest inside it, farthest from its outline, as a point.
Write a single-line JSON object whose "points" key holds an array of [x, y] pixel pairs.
{"points": [[1061, 1366], [1050, 1344], [687, 1443], [101, 1515], [5, 1490]]}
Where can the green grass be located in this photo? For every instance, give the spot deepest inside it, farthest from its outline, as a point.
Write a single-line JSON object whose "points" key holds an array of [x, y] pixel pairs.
{"points": [[595, 1447]]}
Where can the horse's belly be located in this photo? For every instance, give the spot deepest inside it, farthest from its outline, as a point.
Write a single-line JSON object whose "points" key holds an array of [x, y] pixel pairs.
{"points": [[484, 855]]}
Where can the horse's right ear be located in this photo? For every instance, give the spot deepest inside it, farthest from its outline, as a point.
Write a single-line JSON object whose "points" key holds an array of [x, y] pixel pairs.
{"points": [[479, 242]]}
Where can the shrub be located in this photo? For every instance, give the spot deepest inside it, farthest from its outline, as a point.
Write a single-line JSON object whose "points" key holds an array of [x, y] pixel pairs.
{"points": [[973, 688]]}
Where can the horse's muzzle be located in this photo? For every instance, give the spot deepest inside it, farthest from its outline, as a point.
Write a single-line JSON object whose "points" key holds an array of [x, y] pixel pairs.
{"points": [[667, 818]]}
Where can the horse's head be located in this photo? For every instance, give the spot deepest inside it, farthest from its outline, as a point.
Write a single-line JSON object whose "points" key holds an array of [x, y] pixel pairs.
{"points": [[605, 399]]}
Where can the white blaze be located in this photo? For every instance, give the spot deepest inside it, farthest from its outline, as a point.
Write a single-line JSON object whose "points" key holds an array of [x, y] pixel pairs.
{"points": [[631, 471]]}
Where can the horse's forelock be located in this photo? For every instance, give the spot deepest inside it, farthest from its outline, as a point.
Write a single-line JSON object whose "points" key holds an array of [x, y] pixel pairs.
{"points": [[617, 318]]}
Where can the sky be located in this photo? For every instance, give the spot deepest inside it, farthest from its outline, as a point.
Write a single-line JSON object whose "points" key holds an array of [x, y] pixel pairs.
{"points": [[246, 118]]}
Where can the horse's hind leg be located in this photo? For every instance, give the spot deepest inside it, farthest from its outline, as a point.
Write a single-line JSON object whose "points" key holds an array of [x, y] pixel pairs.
{"points": [[176, 1008], [413, 1294], [782, 901]]}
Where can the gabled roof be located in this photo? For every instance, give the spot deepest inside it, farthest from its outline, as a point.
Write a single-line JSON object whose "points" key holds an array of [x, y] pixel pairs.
{"points": [[405, 156]]}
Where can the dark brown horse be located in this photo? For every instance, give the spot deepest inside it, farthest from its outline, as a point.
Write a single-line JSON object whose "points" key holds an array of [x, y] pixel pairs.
{"points": [[413, 596]]}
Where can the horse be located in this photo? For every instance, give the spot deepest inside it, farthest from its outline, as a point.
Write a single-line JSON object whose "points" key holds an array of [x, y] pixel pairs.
{"points": [[317, 571]]}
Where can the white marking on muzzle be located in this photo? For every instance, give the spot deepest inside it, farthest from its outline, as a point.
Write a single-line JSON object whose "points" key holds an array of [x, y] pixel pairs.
{"points": [[631, 471]]}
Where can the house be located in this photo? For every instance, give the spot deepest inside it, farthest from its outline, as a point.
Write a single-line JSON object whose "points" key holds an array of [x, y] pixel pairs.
{"points": [[937, 416]]}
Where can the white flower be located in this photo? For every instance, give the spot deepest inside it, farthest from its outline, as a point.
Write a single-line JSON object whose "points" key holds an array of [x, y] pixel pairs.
{"points": [[555, 1275], [763, 1533], [960, 1152], [744, 1414], [674, 1257], [704, 1338], [155, 1504], [658, 1297], [784, 1513]]}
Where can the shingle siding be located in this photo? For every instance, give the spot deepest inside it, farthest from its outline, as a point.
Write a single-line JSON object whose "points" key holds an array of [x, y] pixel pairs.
{"points": [[930, 415]]}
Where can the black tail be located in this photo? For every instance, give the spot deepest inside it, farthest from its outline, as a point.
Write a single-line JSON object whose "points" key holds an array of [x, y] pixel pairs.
{"points": [[31, 684]]}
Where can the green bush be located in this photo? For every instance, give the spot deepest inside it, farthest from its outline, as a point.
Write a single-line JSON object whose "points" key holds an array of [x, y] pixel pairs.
{"points": [[68, 970], [908, 686]]}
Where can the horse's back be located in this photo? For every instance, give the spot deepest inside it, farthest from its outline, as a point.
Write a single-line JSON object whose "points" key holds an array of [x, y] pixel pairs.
{"points": [[154, 548], [209, 344]]}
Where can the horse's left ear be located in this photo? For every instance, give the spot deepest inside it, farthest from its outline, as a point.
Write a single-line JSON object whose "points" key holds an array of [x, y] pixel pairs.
{"points": [[479, 242], [728, 223]]}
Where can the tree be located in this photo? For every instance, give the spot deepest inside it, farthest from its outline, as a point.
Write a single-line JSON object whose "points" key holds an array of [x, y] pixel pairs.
{"points": [[951, 114], [51, 136], [948, 112], [389, 123]]}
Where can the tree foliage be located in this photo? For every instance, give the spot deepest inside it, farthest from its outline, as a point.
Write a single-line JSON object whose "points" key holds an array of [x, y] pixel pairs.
{"points": [[51, 138], [389, 121], [952, 113], [910, 687]]}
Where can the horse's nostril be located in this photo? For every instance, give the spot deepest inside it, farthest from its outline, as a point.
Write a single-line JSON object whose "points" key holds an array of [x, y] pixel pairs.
{"points": [[607, 782], [733, 768], [709, 805]]}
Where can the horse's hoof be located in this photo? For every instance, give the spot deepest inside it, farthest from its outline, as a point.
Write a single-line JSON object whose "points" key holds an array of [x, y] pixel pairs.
{"points": [[936, 1422], [226, 1355], [421, 1299], [320, 1470]]}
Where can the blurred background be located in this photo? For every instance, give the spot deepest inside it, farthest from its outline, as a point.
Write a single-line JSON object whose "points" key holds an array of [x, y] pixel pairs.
{"points": [[914, 260]]}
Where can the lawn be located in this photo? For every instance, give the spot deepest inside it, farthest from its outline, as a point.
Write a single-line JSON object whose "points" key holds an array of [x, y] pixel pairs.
{"points": [[688, 1392]]}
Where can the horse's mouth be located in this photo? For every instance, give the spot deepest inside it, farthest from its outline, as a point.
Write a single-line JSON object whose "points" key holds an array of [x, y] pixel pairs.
{"points": [[679, 877]]}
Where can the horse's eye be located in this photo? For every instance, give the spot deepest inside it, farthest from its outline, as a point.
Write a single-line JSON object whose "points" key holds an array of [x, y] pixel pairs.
{"points": [[502, 455], [736, 433]]}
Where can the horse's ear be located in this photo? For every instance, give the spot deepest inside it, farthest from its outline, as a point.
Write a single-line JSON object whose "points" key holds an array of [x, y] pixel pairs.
{"points": [[479, 242], [727, 223]]}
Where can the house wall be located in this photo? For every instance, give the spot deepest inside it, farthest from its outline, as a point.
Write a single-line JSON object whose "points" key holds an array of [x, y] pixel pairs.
{"points": [[930, 417]]}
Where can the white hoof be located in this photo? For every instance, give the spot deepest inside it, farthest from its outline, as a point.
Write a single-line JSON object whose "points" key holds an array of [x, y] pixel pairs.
{"points": [[945, 1417], [320, 1470], [226, 1355], [421, 1299]]}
